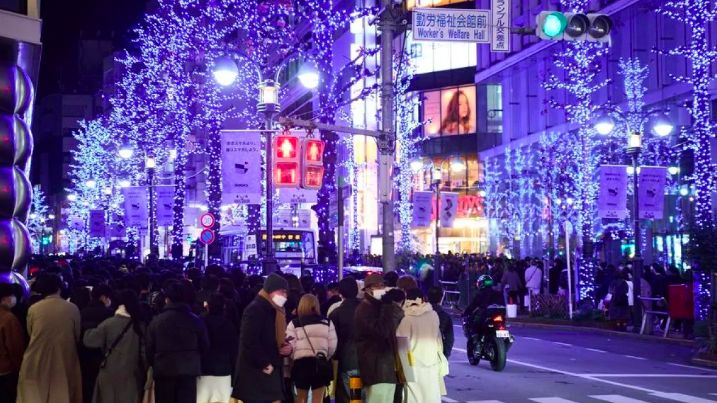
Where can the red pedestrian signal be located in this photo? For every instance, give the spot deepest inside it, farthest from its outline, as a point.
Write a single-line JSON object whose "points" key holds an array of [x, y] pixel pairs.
{"points": [[312, 164], [285, 168]]}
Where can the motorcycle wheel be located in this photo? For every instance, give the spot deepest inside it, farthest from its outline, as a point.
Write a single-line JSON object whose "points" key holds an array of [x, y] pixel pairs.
{"points": [[496, 354], [473, 357]]}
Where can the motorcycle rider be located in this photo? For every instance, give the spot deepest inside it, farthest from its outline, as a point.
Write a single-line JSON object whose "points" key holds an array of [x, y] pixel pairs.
{"points": [[486, 296]]}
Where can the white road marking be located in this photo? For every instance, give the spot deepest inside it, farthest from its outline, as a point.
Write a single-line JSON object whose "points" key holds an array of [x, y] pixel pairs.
{"points": [[679, 397], [652, 376], [562, 344], [636, 357], [460, 349], [552, 400], [617, 399], [484, 401], [596, 350], [691, 367], [448, 400], [530, 338]]}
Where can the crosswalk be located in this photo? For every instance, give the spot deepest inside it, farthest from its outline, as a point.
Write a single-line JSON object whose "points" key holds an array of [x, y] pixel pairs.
{"points": [[647, 398]]}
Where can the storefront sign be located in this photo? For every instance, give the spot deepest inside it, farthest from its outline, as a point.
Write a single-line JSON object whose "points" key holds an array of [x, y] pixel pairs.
{"points": [[651, 184], [612, 196], [454, 25]]}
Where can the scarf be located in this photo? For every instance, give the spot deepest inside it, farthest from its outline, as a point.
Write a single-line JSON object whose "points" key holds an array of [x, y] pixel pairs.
{"points": [[279, 322]]}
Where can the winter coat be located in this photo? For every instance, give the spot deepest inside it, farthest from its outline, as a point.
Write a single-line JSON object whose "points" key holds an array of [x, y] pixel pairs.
{"points": [[321, 337], [376, 325], [50, 371], [258, 349], [343, 319], [446, 326], [511, 279], [220, 358], [123, 376], [176, 339], [421, 327], [533, 278], [12, 342], [619, 307]]}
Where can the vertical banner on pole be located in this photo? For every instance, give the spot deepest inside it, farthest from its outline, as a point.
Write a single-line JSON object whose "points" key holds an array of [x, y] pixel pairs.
{"points": [[241, 167], [612, 196], [135, 206], [165, 205], [449, 209], [422, 209], [97, 223], [651, 184], [500, 26]]}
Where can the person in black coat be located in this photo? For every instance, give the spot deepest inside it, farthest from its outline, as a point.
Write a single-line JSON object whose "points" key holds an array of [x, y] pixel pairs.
{"points": [[176, 339], [262, 345], [343, 320], [219, 359], [435, 295], [99, 309]]}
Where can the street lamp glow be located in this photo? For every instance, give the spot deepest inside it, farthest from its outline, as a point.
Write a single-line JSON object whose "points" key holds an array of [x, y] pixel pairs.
{"points": [[436, 174], [172, 154], [126, 151], [308, 76], [634, 141], [604, 125], [225, 71], [458, 165], [684, 191], [673, 170], [630, 170], [662, 127], [91, 183], [71, 197], [416, 165], [150, 163], [268, 93]]}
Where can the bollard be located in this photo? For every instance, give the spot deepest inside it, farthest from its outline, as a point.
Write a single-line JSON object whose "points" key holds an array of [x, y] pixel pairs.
{"points": [[355, 387]]}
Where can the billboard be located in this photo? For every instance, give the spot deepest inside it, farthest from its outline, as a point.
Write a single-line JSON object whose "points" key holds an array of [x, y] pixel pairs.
{"points": [[451, 111]]}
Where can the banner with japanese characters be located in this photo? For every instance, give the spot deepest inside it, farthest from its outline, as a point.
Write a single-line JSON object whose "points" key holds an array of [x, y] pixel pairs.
{"points": [[612, 194], [165, 205], [135, 206], [500, 26], [97, 223], [448, 209], [422, 209], [451, 25], [241, 167], [651, 192]]}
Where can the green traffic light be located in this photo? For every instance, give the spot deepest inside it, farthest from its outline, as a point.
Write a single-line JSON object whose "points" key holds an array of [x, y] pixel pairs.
{"points": [[554, 24]]}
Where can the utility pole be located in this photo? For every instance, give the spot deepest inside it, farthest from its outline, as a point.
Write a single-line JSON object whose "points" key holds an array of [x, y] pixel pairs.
{"points": [[387, 144]]}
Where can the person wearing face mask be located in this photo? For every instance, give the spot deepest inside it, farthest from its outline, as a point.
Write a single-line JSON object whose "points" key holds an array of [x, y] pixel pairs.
{"points": [[99, 309], [263, 345], [12, 343], [376, 321]]}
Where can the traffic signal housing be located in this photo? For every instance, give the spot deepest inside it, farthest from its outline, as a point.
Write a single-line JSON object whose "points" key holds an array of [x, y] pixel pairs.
{"points": [[285, 167], [555, 25], [312, 163]]}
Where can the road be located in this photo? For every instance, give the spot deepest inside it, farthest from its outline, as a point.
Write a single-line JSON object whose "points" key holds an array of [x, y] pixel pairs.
{"points": [[550, 366]]}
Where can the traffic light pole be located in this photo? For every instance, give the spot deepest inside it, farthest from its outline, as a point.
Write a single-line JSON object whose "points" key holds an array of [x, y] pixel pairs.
{"points": [[269, 262]]}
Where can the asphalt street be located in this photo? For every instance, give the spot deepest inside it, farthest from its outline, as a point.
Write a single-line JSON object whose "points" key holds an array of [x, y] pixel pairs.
{"points": [[549, 366]]}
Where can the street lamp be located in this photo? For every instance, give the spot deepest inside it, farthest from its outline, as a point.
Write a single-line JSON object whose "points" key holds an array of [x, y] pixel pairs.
{"points": [[150, 163], [126, 151], [225, 73]]}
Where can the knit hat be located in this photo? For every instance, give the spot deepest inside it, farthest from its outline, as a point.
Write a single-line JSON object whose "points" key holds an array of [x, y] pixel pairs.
{"points": [[348, 288], [275, 282]]}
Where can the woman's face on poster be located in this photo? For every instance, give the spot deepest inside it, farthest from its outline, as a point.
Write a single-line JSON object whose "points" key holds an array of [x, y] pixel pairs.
{"points": [[464, 108]]}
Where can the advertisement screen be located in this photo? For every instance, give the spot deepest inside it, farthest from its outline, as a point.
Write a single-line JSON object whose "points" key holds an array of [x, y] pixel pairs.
{"points": [[451, 111]]}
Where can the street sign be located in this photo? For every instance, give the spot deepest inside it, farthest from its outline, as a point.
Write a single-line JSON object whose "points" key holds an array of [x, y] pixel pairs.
{"points": [[500, 26], [451, 25], [207, 220], [207, 237]]}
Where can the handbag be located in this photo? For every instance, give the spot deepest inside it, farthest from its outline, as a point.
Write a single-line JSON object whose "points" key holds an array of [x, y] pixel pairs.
{"points": [[323, 365], [114, 344]]}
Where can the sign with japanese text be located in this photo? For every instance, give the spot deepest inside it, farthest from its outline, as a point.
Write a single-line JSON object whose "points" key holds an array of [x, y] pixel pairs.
{"points": [[651, 192], [612, 195], [241, 167], [500, 26], [448, 209], [135, 206], [451, 25], [97, 223], [422, 209], [165, 205], [297, 195]]}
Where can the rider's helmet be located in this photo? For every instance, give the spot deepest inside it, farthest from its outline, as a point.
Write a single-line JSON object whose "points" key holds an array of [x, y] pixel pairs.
{"points": [[485, 281]]}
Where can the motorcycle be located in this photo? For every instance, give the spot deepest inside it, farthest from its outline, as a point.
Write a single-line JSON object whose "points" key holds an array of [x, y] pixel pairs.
{"points": [[488, 337]]}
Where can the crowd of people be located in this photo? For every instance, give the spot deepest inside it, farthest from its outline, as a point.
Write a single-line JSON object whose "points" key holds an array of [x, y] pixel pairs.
{"points": [[108, 331]]}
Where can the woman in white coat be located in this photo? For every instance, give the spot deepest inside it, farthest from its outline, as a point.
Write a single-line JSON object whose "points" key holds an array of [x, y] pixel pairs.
{"points": [[427, 363]]}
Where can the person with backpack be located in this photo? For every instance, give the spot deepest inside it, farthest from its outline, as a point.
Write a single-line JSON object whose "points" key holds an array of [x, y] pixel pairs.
{"points": [[313, 341]]}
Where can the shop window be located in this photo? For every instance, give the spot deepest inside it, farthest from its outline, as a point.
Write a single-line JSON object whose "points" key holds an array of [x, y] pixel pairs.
{"points": [[429, 57]]}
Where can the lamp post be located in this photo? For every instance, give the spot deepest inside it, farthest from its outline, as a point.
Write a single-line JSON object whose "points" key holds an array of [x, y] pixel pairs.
{"points": [[436, 176], [661, 127], [150, 164], [225, 73]]}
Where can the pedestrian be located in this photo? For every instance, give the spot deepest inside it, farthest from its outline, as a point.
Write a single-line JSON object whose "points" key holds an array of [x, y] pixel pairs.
{"points": [[510, 282], [176, 339], [99, 309], [617, 298], [123, 368], [377, 320], [343, 319], [262, 345], [50, 371], [218, 361], [435, 296], [12, 343], [333, 296], [421, 327], [313, 341], [533, 282], [406, 282]]}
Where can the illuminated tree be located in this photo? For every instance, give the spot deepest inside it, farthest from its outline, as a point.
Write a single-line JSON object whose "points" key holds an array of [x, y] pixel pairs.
{"points": [[37, 221]]}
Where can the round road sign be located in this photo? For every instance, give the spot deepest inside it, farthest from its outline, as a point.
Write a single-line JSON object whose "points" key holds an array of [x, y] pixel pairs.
{"points": [[207, 237], [207, 220]]}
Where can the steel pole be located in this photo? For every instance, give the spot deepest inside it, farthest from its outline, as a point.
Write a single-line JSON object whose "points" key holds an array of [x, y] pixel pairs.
{"points": [[153, 245], [269, 260], [637, 259], [386, 145]]}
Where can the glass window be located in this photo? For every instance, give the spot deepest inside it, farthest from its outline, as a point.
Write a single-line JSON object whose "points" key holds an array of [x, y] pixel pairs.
{"points": [[429, 57]]}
